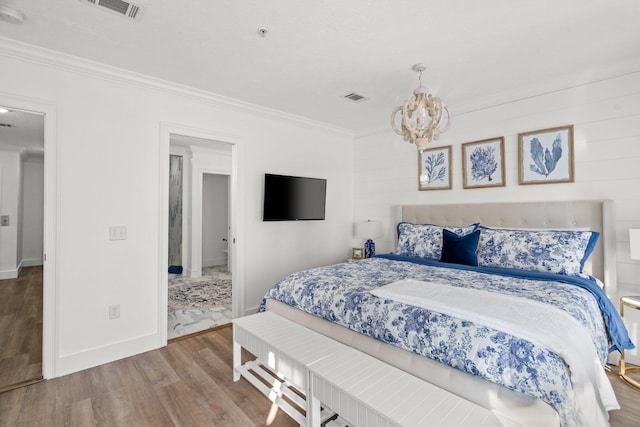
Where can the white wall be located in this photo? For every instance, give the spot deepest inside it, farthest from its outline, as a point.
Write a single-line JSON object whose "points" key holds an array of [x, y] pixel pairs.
{"points": [[606, 119], [22, 198], [11, 185], [108, 164], [33, 210], [215, 219]]}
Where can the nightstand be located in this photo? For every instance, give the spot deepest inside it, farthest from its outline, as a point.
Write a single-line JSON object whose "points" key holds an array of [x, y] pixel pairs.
{"points": [[634, 303]]}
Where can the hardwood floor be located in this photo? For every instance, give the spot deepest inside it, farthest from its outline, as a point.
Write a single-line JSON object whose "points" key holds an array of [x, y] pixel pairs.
{"points": [[629, 399], [187, 383], [21, 328]]}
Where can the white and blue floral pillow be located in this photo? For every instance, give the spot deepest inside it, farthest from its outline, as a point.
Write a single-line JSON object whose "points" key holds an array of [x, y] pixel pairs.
{"points": [[560, 252], [425, 240]]}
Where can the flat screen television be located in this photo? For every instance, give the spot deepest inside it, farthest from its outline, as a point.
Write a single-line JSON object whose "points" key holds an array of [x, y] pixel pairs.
{"points": [[293, 198]]}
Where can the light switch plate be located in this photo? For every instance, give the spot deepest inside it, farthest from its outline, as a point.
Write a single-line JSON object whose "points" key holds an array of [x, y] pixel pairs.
{"points": [[118, 232], [114, 311], [4, 220]]}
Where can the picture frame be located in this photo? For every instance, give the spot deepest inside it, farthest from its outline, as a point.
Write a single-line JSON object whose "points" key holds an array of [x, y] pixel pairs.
{"points": [[434, 169], [357, 253], [546, 156], [483, 163]]}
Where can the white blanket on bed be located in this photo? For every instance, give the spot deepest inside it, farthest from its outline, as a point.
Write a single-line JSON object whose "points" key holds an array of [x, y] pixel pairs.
{"points": [[533, 321]]}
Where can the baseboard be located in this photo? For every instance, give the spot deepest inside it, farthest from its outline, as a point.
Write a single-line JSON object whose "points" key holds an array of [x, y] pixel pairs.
{"points": [[70, 363], [32, 262], [214, 261], [14, 274], [251, 310], [9, 274]]}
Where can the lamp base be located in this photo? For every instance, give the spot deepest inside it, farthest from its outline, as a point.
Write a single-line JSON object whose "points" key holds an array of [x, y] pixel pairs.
{"points": [[369, 248]]}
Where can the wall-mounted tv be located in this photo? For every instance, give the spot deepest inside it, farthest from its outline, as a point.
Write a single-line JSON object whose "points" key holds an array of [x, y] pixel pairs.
{"points": [[293, 198]]}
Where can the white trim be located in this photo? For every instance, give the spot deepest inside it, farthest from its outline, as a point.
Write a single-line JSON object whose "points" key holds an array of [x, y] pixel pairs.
{"points": [[27, 52], [75, 362], [251, 310], [50, 303], [236, 249], [16, 148], [237, 209], [209, 262], [558, 84], [9, 274], [32, 262], [196, 217], [609, 249]]}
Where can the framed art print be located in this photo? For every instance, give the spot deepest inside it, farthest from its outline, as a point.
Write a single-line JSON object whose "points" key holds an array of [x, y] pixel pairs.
{"points": [[434, 169], [483, 163], [357, 253], [546, 156]]}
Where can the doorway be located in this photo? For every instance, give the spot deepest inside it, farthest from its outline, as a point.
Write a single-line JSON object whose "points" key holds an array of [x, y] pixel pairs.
{"points": [[215, 221], [22, 208], [200, 243]]}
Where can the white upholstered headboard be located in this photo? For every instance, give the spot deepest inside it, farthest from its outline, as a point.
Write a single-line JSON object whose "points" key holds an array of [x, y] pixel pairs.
{"points": [[597, 215]]}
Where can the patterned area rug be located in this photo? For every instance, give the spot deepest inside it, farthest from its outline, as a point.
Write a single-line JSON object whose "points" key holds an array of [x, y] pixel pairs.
{"points": [[201, 294]]}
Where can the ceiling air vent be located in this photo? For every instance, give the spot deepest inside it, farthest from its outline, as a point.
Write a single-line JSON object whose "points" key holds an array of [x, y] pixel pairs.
{"points": [[355, 97], [120, 7]]}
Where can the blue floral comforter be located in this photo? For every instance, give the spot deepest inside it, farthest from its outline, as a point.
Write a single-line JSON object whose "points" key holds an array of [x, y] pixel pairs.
{"points": [[340, 294]]}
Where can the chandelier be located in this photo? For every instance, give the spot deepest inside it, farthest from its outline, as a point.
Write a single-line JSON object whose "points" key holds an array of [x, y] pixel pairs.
{"points": [[421, 115]]}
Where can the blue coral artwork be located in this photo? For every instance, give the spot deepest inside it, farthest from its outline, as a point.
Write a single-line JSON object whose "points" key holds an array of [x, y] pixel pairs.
{"points": [[546, 156], [434, 169], [483, 163]]}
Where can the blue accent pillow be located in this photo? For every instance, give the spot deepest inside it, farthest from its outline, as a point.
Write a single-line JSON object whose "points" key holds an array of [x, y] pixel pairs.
{"points": [[425, 240], [457, 249]]}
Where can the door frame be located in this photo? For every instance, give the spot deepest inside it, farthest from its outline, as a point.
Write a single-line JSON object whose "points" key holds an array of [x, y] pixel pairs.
{"points": [[237, 208], [50, 333], [196, 217]]}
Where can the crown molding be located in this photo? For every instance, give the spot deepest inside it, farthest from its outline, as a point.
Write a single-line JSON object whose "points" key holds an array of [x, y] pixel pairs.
{"points": [[557, 84], [35, 153], [13, 148], [25, 153], [43, 56]]}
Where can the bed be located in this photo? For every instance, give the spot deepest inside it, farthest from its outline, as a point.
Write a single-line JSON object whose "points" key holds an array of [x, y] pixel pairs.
{"points": [[488, 332]]}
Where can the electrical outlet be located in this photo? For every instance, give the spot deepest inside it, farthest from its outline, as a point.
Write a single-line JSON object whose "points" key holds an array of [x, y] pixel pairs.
{"points": [[114, 311], [4, 220], [118, 232]]}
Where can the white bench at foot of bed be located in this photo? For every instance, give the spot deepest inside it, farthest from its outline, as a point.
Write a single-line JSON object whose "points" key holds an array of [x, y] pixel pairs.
{"points": [[297, 361], [283, 350], [368, 392]]}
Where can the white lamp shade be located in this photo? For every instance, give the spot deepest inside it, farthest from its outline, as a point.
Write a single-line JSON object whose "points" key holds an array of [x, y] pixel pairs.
{"points": [[634, 243], [368, 229]]}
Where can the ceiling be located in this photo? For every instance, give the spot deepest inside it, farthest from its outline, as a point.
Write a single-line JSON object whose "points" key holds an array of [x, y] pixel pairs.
{"points": [[314, 53]]}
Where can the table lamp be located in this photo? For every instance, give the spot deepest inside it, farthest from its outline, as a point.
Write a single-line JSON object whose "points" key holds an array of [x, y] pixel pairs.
{"points": [[369, 230]]}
